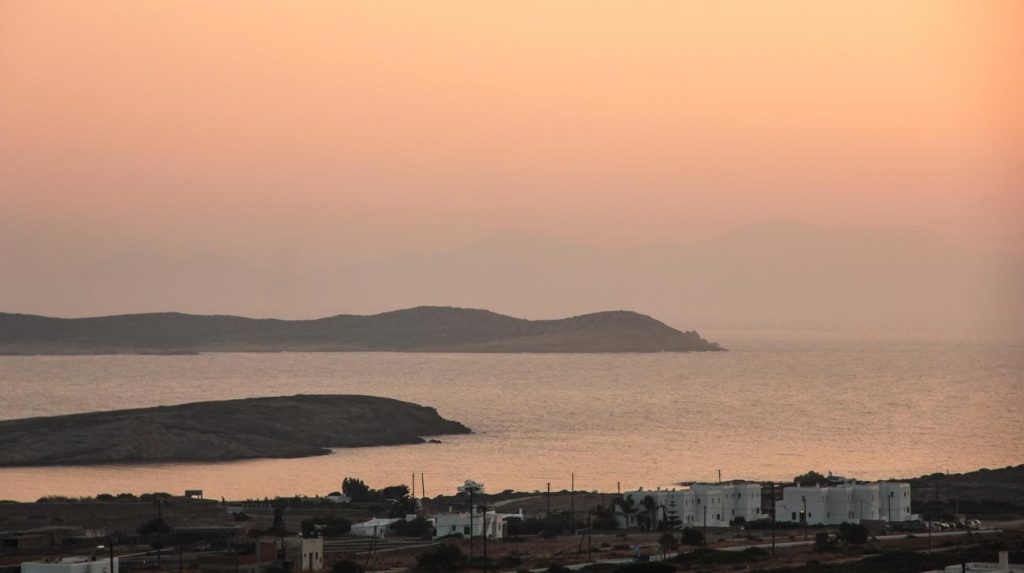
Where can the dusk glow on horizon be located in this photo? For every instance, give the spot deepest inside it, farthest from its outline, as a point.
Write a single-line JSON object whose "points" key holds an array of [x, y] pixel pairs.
{"points": [[315, 134]]}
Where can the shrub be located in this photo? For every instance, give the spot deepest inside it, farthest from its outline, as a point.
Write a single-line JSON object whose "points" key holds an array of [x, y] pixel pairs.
{"points": [[823, 541], [346, 566], [647, 567], [418, 527], [853, 533], [153, 527], [691, 536], [441, 558], [331, 526]]}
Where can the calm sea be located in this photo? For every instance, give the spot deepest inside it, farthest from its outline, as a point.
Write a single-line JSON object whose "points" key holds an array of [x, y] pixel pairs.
{"points": [[773, 407]]}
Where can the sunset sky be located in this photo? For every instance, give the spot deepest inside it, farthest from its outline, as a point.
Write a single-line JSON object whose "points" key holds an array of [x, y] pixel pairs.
{"points": [[311, 134]]}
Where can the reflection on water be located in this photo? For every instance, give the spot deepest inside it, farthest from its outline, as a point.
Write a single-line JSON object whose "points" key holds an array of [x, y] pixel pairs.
{"points": [[770, 408]]}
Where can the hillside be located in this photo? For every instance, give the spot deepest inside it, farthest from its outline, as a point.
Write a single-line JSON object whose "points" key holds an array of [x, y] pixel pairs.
{"points": [[421, 329], [282, 427], [983, 491]]}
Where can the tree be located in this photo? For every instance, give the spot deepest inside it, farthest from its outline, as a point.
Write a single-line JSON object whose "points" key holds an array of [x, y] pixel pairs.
{"points": [[627, 506], [278, 527], [400, 502], [810, 478], [355, 489], [691, 536], [652, 510], [672, 519], [604, 519], [418, 527]]}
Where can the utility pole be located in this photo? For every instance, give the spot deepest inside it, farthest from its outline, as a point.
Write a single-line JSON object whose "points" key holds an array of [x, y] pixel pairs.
{"points": [[423, 488], [160, 534], [889, 511], [110, 542], [719, 477], [549, 500], [771, 489], [705, 524], [572, 501], [485, 538], [471, 525], [590, 529], [414, 484]]}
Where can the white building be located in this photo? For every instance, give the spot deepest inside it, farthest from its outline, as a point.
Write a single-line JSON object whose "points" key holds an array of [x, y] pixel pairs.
{"points": [[376, 527], [70, 565], [847, 502], [337, 497], [714, 505], [1003, 566], [305, 553], [493, 524]]}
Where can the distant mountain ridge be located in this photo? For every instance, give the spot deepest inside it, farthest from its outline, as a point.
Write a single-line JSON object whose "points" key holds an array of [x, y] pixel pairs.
{"points": [[419, 329]]}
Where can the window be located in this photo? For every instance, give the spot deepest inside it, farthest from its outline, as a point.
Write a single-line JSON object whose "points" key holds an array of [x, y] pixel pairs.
{"points": [[794, 516]]}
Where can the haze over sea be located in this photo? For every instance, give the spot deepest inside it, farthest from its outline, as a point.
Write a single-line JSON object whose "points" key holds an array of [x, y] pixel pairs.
{"points": [[774, 406]]}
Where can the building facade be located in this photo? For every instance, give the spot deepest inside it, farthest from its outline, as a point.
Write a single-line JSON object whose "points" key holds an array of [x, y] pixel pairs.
{"points": [[711, 505], [846, 502], [492, 524]]}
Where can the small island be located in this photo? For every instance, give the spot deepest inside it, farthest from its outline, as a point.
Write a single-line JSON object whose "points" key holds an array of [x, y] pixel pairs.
{"points": [[420, 329], [278, 427]]}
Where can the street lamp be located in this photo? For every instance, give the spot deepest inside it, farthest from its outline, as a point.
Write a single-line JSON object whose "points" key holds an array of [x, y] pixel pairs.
{"points": [[804, 515], [891, 495], [110, 545]]}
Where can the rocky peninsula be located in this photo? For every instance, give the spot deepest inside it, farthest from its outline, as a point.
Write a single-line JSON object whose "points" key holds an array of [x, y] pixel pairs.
{"points": [[278, 427]]}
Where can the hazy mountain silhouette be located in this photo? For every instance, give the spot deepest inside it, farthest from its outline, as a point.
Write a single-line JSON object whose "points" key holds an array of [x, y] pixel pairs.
{"points": [[423, 329], [781, 274]]}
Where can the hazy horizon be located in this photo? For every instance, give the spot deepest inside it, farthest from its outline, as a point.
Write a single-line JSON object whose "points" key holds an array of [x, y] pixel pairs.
{"points": [[537, 159]]}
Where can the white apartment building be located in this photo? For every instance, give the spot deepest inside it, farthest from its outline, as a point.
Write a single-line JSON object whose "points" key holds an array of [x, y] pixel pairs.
{"points": [[714, 505], [847, 502]]}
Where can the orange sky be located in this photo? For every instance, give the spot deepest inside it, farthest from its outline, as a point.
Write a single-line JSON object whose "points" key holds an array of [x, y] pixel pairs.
{"points": [[378, 126]]}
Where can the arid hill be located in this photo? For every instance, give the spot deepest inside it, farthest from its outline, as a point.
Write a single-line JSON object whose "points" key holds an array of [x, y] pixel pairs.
{"points": [[421, 329], [281, 427]]}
